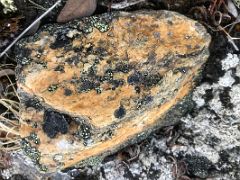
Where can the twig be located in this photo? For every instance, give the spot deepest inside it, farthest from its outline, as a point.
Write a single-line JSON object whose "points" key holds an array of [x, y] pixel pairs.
{"points": [[29, 27], [230, 39], [6, 72], [37, 5]]}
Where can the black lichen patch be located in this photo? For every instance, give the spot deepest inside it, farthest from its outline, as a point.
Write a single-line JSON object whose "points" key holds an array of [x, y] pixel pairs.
{"points": [[236, 78], [67, 92], [42, 63], [73, 60], [225, 98], [91, 81], [106, 135], [55, 122], [212, 140], [137, 89], [218, 49], [134, 78], [123, 67], [59, 68], [144, 78], [87, 85], [108, 76], [61, 40], [78, 49], [22, 53], [208, 95], [100, 51], [182, 70], [33, 102], [198, 165], [52, 87], [120, 112], [116, 83], [144, 101]]}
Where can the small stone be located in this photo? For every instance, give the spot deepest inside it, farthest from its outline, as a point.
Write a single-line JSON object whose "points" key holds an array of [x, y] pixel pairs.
{"points": [[76, 9], [129, 73]]}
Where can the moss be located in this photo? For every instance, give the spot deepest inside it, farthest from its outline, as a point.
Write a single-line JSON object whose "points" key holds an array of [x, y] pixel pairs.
{"points": [[144, 78], [61, 39]]}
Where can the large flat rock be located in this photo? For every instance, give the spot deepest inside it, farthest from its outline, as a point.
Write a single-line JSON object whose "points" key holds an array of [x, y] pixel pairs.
{"points": [[92, 86]]}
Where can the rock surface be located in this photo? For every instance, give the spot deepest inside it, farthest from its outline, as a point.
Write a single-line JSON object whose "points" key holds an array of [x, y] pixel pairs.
{"points": [[95, 85]]}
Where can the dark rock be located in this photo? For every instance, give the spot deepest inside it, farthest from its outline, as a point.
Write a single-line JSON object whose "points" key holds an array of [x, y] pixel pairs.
{"points": [[198, 165]]}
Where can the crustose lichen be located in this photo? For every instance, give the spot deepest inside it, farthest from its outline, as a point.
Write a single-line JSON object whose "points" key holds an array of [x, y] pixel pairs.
{"points": [[8, 6]]}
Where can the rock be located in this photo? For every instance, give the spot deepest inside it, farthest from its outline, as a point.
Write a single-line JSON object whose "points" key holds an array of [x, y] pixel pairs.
{"points": [[93, 86], [198, 166], [77, 8]]}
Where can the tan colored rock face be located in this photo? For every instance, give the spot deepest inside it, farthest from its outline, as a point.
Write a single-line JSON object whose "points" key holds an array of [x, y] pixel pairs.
{"points": [[90, 87]]}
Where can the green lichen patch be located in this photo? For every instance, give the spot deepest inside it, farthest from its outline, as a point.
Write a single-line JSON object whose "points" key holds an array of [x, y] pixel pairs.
{"points": [[53, 87], [31, 151], [99, 22], [84, 133], [34, 138]]}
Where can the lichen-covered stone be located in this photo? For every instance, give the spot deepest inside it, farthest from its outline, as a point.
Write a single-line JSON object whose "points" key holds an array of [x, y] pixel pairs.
{"points": [[110, 80]]}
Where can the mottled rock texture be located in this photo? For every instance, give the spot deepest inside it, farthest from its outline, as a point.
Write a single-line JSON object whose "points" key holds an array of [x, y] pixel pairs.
{"points": [[93, 86]]}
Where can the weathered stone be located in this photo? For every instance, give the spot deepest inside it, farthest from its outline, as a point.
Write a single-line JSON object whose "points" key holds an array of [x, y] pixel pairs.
{"points": [[77, 8], [110, 80]]}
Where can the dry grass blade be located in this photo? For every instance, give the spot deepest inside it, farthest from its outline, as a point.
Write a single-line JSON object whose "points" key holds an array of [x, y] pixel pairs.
{"points": [[9, 117]]}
